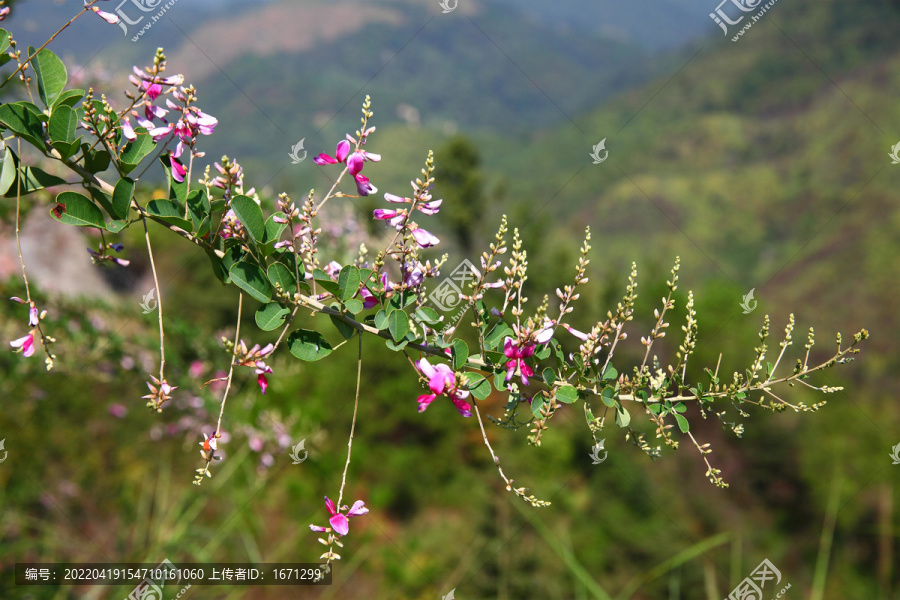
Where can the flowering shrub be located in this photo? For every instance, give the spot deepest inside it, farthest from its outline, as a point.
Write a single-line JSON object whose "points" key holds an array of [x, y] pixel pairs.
{"points": [[531, 354]]}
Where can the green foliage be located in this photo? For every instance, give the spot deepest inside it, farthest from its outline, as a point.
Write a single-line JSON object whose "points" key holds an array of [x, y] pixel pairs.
{"points": [[51, 75]]}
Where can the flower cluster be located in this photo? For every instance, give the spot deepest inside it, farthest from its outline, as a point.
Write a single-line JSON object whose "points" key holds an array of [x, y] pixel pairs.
{"points": [[339, 521], [25, 344], [442, 380], [398, 218], [101, 255], [355, 161], [191, 122], [160, 393], [253, 358]]}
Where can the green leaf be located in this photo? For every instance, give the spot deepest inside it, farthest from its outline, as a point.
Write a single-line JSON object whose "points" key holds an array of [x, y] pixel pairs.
{"points": [[308, 345], [381, 320], [274, 229], [542, 352], [460, 353], [250, 278], [402, 299], [101, 198], [68, 98], [610, 373], [623, 417], [198, 206], [354, 305], [398, 324], [32, 180], [364, 275], [500, 381], [548, 375], [51, 75], [79, 210], [271, 316], [116, 226], [428, 315], [22, 118], [135, 151], [95, 161], [325, 281], [478, 385], [62, 125], [495, 338], [8, 171], [250, 215], [4, 40], [121, 198], [566, 394], [682, 423], [608, 396], [396, 347], [280, 274], [169, 212], [344, 329], [348, 282], [218, 267]]}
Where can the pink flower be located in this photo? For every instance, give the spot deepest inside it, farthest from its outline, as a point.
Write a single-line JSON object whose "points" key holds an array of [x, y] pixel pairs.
{"points": [[209, 446], [108, 17], [369, 299], [394, 217], [340, 154], [442, 380], [4, 12], [517, 356], [363, 187], [158, 133], [128, 130], [424, 238], [338, 521], [178, 170], [398, 218], [355, 163], [26, 343], [261, 370]]}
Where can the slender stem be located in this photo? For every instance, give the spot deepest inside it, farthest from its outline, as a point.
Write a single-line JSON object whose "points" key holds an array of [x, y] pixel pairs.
{"points": [[353, 423], [520, 492], [332, 537], [329, 195], [162, 342], [18, 239], [488, 444], [237, 336]]}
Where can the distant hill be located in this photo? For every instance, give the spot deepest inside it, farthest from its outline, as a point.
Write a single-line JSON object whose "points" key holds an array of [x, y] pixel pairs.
{"points": [[655, 24]]}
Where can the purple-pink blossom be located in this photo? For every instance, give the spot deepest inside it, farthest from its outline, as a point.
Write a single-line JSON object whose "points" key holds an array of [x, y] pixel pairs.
{"points": [[108, 17], [517, 353], [442, 381], [398, 218], [178, 170], [355, 162], [339, 521], [25, 343]]}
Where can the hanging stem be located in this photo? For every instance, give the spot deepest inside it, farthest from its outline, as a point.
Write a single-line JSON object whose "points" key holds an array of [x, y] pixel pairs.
{"points": [[159, 303], [237, 335], [353, 423], [520, 492]]}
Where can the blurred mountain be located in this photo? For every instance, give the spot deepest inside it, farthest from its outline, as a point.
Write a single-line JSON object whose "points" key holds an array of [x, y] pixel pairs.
{"points": [[654, 24]]}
